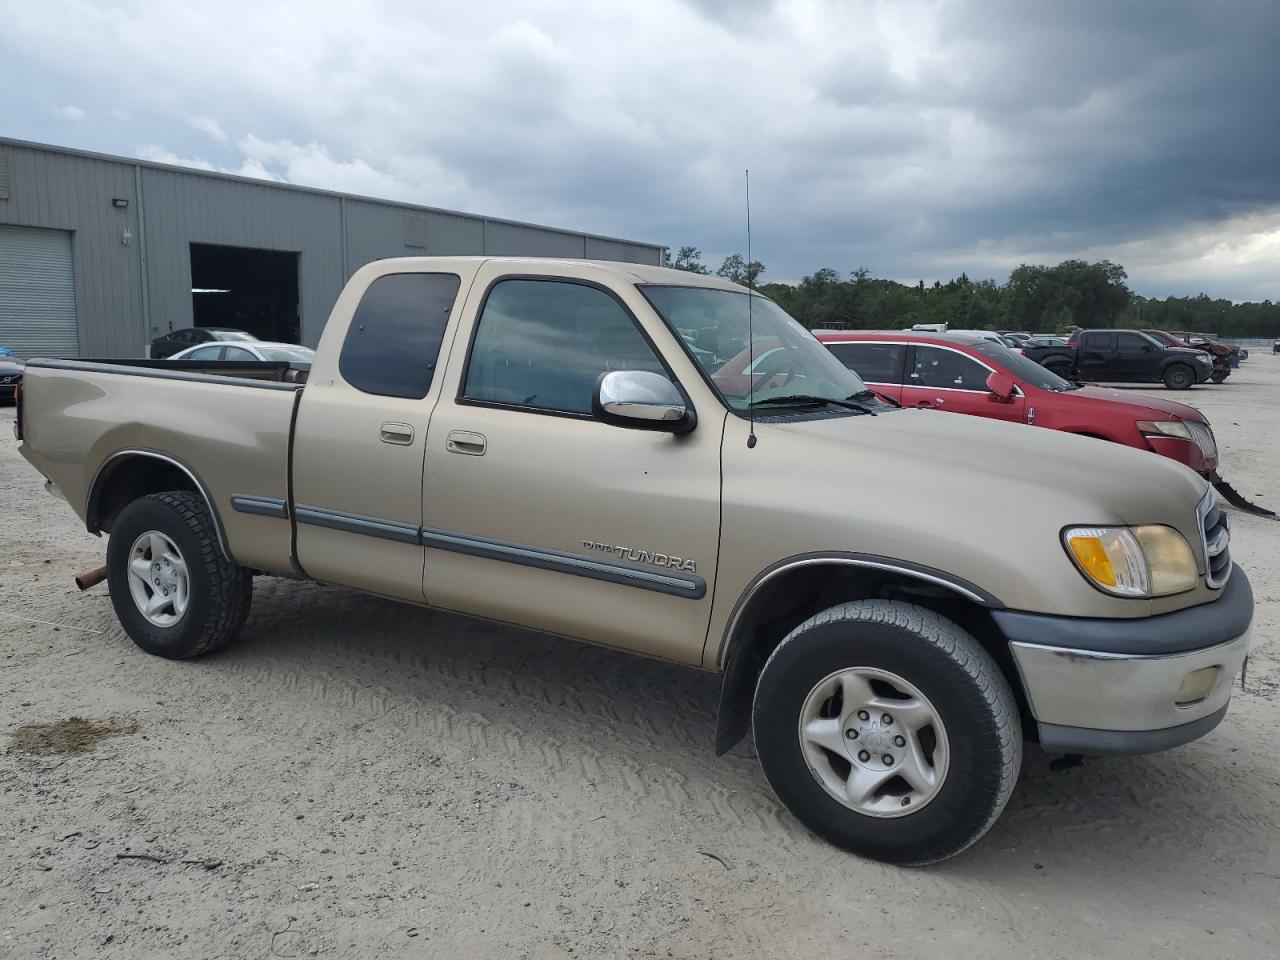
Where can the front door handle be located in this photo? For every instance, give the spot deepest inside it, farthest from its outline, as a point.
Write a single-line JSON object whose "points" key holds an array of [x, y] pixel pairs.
{"points": [[397, 433], [465, 442]]}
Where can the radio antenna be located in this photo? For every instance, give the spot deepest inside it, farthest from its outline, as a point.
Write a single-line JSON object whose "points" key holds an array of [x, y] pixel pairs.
{"points": [[751, 342]]}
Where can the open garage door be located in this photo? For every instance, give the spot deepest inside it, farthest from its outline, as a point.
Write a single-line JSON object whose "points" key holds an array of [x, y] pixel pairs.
{"points": [[37, 293]]}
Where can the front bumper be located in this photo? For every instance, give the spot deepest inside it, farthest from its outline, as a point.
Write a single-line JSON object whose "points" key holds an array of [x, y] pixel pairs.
{"points": [[1117, 686]]}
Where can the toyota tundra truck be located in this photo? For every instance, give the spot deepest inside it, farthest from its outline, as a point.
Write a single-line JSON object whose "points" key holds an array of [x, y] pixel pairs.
{"points": [[668, 464]]}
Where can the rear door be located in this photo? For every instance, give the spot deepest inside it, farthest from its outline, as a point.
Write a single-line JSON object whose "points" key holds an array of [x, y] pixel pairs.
{"points": [[880, 365], [361, 431], [945, 378], [1095, 357]]}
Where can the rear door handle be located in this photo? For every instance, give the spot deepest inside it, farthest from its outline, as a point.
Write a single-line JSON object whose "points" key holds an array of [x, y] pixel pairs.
{"points": [[465, 442], [397, 433]]}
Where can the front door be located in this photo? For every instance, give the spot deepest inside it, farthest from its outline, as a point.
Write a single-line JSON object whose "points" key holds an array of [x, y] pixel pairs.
{"points": [[537, 513], [1137, 358], [946, 379]]}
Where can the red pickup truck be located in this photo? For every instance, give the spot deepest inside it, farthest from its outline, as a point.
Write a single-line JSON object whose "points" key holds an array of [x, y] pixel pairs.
{"points": [[965, 374]]}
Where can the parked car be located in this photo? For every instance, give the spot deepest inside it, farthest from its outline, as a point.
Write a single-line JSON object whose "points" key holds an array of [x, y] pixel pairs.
{"points": [[530, 441], [248, 351], [1124, 356], [990, 335], [1023, 339], [1275, 347], [968, 375], [1042, 340], [10, 377], [1220, 356], [170, 343]]}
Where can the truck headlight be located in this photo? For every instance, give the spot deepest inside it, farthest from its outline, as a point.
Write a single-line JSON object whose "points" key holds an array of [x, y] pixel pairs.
{"points": [[1146, 561], [1164, 428]]}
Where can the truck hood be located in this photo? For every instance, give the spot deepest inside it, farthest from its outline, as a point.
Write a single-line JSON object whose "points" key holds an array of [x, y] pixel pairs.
{"points": [[1000, 469], [1143, 407]]}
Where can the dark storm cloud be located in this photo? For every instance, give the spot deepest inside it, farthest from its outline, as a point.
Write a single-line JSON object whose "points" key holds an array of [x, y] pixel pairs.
{"points": [[915, 138]]}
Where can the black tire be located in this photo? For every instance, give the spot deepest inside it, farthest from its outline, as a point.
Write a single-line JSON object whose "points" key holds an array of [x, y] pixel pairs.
{"points": [[963, 684], [1179, 376], [1064, 370], [1219, 377], [219, 591]]}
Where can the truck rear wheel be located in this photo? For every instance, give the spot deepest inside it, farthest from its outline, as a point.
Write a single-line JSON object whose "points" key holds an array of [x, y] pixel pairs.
{"points": [[1179, 377], [888, 731], [174, 592], [1061, 368]]}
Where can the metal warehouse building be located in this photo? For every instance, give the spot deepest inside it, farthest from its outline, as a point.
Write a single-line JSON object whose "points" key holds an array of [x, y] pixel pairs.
{"points": [[100, 254]]}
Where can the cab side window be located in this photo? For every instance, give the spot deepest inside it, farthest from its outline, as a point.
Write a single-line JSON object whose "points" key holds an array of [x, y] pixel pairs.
{"points": [[873, 362], [542, 344], [1131, 342], [394, 339], [947, 370], [1096, 341]]}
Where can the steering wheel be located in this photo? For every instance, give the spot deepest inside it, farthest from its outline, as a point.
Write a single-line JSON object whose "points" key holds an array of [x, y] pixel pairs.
{"points": [[777, 364]]}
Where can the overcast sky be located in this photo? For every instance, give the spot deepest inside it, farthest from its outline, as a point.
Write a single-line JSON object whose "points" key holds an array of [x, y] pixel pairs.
{"points": [[916, 139]]}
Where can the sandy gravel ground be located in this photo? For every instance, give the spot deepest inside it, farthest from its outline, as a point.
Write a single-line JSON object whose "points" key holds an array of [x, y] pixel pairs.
{"points": [[361, 779]]}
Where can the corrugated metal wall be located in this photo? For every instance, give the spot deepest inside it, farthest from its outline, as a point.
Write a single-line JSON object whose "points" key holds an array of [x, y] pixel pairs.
{"points": [[67, 192], [168, 209]]}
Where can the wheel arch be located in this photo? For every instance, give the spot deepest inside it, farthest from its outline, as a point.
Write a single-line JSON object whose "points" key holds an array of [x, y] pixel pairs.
{"points": [[127, 475], [790, 591]]}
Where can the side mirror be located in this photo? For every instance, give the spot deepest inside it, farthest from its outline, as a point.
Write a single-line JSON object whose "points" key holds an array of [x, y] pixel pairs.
{"points": [[1002, 387], [641, 400]]}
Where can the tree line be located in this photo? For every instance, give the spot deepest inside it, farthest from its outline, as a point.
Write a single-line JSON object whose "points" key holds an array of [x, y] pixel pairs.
{"points": [[1036, 298]]}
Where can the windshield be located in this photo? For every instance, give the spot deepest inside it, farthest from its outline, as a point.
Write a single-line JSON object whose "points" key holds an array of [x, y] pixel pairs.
{"points": [[1024, 368], [782, 360], [289, 354], [231, 335]]}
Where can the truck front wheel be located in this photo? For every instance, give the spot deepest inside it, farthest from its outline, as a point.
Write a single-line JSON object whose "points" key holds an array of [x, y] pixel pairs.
{"points": [[1179, 377], [888, 731], [174, 592]]}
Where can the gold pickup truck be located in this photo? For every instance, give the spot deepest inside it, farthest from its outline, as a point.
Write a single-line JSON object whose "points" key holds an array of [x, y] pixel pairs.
{"points": [[668, 464]]}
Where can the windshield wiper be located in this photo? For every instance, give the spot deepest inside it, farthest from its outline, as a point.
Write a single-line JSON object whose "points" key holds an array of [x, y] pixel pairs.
{"points": [[803, 399]]}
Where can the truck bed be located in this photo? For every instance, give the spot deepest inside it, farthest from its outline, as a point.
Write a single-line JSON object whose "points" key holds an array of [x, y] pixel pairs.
{"points": [[226, 425]]}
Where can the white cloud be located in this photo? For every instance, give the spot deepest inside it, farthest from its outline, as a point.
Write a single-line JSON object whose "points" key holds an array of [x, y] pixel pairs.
{"points": [[209, 126], [912, 137], [69, 112]]}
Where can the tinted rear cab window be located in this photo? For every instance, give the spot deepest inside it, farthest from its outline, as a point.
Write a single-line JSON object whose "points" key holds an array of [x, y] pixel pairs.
{"points": [[394, 339]]}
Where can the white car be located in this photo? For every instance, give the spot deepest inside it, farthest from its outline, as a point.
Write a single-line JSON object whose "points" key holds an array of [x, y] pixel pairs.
{"points": [[248, 350], [991, 335]]}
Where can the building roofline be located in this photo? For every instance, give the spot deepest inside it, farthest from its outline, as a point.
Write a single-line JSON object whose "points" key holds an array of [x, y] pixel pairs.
{"points": [[315, 191]]}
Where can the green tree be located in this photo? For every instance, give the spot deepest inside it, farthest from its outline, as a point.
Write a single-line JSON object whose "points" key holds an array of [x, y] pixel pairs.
{"points": [[688, 259], [736, 269]]}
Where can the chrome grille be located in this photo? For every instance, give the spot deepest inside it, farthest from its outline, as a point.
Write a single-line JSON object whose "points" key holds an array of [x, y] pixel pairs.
{"points": [[1215, 538], [1202, 434]]}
